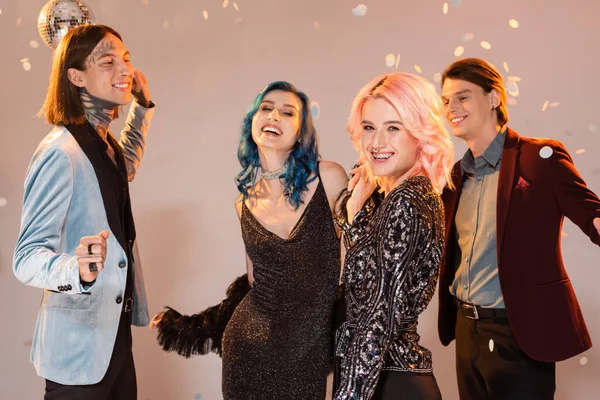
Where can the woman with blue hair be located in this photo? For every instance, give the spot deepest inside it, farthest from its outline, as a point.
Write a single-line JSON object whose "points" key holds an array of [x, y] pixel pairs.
{"points": [[274, 328]]}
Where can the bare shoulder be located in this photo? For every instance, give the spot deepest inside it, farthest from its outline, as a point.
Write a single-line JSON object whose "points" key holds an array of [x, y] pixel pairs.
{"points": [[334, 178], [238, 204]]}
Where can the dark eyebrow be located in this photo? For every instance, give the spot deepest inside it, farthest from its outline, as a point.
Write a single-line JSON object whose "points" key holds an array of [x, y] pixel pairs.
{"points": [[285, 105], [112, 55], [465, 91]]}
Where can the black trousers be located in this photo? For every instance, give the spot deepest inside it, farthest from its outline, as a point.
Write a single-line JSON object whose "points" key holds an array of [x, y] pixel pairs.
{"points": [[406, 386], [119, 382], [491, 365]]}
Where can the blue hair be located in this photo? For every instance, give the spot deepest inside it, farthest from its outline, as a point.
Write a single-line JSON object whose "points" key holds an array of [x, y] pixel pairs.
{"points": [[302, 161]]}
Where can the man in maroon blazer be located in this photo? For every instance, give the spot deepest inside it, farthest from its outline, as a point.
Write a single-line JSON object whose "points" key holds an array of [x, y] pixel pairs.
{"points": [[504, 292]]}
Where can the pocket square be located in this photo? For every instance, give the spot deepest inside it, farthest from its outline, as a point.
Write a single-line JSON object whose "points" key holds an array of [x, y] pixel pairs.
{"points": [[522, 183]]}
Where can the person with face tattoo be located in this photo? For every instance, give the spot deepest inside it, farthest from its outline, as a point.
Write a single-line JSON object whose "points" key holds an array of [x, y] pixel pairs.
{"points": [[77, 239]]}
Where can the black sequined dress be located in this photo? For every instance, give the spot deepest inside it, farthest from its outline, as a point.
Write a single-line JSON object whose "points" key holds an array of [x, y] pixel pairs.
{"points": [[277, 343]]}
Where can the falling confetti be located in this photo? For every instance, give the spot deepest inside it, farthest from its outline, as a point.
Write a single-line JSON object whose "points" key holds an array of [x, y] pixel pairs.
{"points": [[390, 60], [513, 23], [554, 104], [580, 151], [512, 101], [360, 10], [225, 3], [445, 8], [145, 2], [514, 79], [27, 66], [22, 60], [505, 66], [0, 11], [467, 37], [418, 69], [486, 45], [166, 24], [316, 25], [459, 51], [545, 106], [205, 14], [491, 345], [513, 89], [34, 44], [437, 77], [592, 127], [546, 152], [3, 202], [583, 360], [397, 60], [236, 6], [315, 110]]}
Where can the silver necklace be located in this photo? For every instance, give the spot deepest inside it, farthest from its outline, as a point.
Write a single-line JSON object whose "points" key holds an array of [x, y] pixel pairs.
{"points": [[273, 174]]}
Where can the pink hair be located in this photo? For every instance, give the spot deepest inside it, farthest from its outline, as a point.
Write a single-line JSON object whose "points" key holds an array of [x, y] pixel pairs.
{"points": [[421, 111]]}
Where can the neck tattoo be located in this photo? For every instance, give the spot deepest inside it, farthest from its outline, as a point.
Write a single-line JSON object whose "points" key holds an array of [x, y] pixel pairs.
{"points": [[99, 113]]}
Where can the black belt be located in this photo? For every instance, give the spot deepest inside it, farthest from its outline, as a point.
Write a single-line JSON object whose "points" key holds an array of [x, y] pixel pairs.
{"points": [[472, 311]]}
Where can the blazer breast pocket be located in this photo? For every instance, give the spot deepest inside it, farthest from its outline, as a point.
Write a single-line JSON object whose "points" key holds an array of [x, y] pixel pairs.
{"points": [[63, 300]]}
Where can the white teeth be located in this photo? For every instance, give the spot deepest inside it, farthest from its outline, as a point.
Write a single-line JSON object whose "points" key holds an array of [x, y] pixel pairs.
{"points": [[121, 85], [379, 156], [457, 119], [272, 130]]}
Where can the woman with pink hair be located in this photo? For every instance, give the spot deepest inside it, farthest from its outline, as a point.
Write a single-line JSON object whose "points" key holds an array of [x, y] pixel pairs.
{"points": [[393, 224]]}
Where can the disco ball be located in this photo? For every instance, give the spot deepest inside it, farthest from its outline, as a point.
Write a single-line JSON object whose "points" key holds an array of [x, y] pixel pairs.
{"points": [[60, 16]]}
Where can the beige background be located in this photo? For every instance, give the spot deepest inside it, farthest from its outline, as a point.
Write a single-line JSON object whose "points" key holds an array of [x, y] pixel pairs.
{"points": [[203, 74]]}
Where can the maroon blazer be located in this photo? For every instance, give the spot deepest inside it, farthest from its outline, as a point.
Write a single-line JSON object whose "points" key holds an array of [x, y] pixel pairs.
{"points": [[534, 195]]}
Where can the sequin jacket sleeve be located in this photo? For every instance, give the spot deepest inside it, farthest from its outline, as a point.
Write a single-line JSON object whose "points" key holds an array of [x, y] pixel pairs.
{"points": [[353, 230], [390, 277]]}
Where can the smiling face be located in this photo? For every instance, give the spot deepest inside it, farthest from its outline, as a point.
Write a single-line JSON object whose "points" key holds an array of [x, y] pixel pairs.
{"points": [[389, 148], [468, 109], [276, 123], [108, 74]]}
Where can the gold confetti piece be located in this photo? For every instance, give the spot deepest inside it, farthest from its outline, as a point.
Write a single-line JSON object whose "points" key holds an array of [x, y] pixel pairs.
{"points": [[545, 106], [486, 45], [512, 101], [514, 78], [27, 66], [34, 44], [459, 51], [0, 11], [506, 66], [563, 234], [437, 77], [390, 60], [467, 36], [397, 60], [145, 2], [554, 104], [24, 60], [225, 3], [316, 25], [418, 69], [445, 8], [166, 24], [580, 151], [205, 13], [236, 6], [513, 23]]}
